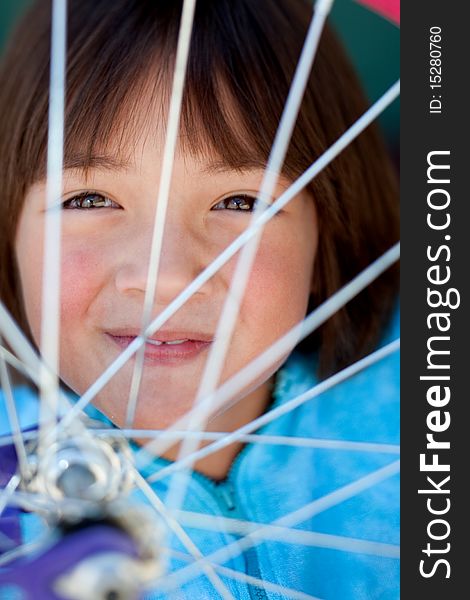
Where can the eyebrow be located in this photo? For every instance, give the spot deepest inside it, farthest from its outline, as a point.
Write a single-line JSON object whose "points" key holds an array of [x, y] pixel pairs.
{"points": [[103, 162], [221, 166], [82, 162]]}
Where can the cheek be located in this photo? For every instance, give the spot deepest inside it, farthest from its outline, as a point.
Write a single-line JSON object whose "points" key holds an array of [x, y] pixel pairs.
{"points": [[279, 288], [80, 275], [81, 282], [275, 300]]}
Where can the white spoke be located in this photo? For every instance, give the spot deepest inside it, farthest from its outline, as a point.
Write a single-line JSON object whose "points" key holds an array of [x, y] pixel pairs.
{"points": [[283, 409], [183, 536], [19, 343], [230, 310], [372, 113], [254, 438], [13, 418], [267, 585], [7, 492], [182, 52], [19, 551], [33, 364], [49, 383], [36, 502], [264, 584], [290, 520], [287, 535], [14, 362], [6, 440], [229, 314]]}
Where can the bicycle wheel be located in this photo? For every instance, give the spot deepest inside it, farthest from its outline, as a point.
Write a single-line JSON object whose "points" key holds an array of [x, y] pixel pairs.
{"points": [[321, 529]]}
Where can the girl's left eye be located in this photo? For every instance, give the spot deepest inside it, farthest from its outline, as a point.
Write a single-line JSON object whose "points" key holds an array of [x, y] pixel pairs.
{"points": [[89, 200], [240, 202]]}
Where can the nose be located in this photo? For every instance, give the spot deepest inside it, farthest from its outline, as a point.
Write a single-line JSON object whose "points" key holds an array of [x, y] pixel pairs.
{"points": [[180, 261]]}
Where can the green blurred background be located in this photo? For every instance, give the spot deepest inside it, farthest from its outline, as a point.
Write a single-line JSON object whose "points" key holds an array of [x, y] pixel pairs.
{"points": [[373, 44]]}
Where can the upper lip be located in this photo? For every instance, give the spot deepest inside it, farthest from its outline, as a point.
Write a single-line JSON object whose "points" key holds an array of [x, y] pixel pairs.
{"points": [[162, 335]]}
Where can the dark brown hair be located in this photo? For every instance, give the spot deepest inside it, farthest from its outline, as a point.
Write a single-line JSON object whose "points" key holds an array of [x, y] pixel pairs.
{"points": [[242, 59]]}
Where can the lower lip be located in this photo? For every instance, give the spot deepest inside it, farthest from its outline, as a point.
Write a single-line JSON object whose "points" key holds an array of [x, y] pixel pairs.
{"points": [[165, 354]]}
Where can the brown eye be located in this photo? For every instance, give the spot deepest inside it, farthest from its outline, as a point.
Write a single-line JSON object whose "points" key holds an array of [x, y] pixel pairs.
{"points": [[88, 201], [240, 202]]}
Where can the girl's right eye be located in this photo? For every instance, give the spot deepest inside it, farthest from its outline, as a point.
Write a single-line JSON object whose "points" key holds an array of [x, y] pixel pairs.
{"points": [[89, 200]]}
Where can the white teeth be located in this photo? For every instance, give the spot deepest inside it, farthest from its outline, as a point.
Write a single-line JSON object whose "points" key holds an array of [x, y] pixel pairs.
{"points": [[172, 343]]}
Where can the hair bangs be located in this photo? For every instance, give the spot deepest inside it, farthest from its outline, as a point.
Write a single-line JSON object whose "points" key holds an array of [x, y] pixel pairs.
{"points": [[227, 112], [119, 81]]}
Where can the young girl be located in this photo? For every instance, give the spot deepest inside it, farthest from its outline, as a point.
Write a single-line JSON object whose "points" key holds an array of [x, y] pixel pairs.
{"points": [[120, 60]]}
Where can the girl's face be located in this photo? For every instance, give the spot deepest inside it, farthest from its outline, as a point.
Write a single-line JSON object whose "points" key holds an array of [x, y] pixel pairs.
{"points": [[108, 215]]}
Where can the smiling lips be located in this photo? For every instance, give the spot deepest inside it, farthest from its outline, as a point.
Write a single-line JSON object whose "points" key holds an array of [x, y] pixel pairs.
{"points": [[165, 348]]}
